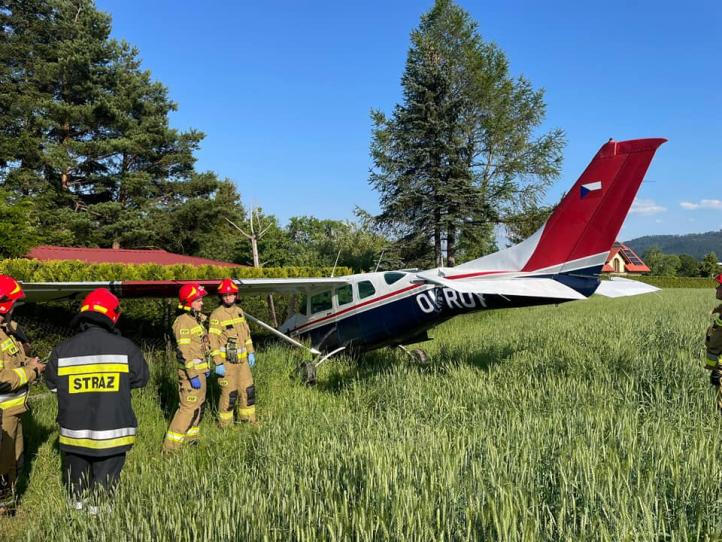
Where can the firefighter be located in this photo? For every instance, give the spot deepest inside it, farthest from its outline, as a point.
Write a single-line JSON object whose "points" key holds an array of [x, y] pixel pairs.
{"points": [[92, 374], [233, 354], [191, 342], [713, 344], [17, 371]]}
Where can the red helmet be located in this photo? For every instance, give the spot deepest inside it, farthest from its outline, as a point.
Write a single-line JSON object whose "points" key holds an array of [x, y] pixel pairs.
{"points": [[10, 292], [101, 300], [189, 293], [718, 278], [227, 287]]}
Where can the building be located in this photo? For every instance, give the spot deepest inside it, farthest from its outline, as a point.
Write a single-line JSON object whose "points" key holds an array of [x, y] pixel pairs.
{"points": [[623, 259], [120, 255]]}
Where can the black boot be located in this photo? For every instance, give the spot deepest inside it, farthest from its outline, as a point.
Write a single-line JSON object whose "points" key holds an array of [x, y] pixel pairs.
{"points": [[7, 497], [714, 377]]}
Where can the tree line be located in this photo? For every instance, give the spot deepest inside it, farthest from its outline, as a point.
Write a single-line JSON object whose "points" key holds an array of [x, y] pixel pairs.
{"points": [[88, 156], [682, 265]]}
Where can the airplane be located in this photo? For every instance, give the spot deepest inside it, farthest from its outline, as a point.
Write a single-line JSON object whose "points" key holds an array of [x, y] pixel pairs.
{"points": [[561, 262]]}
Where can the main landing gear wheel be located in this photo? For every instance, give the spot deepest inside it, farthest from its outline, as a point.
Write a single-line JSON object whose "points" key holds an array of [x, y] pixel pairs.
{"points": [[417, 355], [420, 356]]}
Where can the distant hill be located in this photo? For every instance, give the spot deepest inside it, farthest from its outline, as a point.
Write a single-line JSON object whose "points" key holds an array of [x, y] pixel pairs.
{"points": [[694, 244]]}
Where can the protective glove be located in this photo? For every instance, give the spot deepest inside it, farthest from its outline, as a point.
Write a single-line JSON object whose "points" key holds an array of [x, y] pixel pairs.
{"points": [[715, 377], [196, 383], [220, 370], [251, 359]]}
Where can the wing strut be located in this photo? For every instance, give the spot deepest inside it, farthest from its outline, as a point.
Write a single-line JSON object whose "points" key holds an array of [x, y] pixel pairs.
{"points": [[280, 335]]}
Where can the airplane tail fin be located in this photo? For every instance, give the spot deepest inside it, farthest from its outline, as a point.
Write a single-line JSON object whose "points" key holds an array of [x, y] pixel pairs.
{"points": [[582, 229]]}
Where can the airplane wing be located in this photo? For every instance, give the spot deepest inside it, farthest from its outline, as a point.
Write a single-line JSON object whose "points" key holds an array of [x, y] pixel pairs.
{"points": [[522, 286], [289, 286], [621, 287], [57, 291]]}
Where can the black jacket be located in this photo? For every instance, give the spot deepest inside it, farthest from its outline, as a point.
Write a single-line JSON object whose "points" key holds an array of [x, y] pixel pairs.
{"points": [[93, 373]]}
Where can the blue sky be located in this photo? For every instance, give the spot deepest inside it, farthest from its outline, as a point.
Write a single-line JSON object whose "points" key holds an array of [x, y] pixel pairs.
{"points": [[283, 90]]}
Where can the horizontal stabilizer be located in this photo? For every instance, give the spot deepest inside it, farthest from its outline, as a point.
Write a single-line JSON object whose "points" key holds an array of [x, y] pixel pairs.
{"points": [[619, 287], [524, 287]]}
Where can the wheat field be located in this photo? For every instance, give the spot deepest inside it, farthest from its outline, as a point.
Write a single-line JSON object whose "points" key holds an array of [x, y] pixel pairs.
{"points": [[592, 420]]}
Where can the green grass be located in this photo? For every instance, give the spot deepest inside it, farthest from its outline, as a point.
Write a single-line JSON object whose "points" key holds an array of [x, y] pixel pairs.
{"points": [[588, 421]]}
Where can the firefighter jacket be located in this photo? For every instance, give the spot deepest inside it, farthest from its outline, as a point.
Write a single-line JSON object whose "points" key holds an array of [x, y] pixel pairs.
{"points": [[228, 324], [14, 375], [93, 373], [191, 342], [713, 339]]}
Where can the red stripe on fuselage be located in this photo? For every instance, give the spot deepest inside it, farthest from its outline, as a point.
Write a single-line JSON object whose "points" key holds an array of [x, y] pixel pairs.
{"points": [[369, 302], [477, 274]]}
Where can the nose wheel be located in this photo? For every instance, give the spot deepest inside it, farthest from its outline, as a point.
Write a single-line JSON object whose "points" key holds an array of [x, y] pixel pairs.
{"points": [[307, 371]]}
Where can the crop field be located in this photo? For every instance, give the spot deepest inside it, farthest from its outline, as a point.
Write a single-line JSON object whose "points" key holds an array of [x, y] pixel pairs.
{"points": [[592, 420]]}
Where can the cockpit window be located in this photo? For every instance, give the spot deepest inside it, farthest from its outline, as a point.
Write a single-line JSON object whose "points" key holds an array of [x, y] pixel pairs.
{"points": [[365, 289], [393, 276], [344, 295], [321, 302]]}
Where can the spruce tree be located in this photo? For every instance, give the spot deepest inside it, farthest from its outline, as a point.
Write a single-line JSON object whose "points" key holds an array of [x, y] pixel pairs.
{"points": [[460, 153]]}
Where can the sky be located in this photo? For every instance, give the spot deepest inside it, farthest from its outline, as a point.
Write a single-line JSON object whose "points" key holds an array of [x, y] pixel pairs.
{"points": [[283, 91]]}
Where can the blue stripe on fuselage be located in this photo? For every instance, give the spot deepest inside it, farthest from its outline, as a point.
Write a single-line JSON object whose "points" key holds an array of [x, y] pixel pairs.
{"points": [[404, 318]]}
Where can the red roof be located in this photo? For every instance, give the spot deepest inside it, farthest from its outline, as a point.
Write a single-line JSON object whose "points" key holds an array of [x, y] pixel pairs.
{"points": [[120, 255], [632, 262]]}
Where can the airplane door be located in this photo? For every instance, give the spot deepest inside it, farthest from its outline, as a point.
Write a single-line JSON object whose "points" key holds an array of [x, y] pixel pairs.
{"points": [[321, 307], [347, 327]]}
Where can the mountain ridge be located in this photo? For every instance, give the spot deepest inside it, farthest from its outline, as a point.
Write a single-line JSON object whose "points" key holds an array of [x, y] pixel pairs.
{"points": [[694, 244]]}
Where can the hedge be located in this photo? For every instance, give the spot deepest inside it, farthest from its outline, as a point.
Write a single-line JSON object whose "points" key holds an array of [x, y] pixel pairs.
{"points": [[677, 282], [71, 270], [145, 320]]}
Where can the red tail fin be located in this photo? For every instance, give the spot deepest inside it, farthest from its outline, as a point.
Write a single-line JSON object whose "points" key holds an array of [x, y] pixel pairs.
{"points": [[588, 219]]}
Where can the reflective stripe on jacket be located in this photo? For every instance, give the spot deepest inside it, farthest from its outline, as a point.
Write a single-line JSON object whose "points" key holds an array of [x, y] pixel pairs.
{"points": [[14, 399], [191, 342], [229, 323], [97, 440], [14, 376], [93, 373]]}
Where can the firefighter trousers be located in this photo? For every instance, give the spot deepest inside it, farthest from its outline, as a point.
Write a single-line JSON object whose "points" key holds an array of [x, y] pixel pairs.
{"points": [[11, 446], [84, 474], [185, 425], [238, 394]]}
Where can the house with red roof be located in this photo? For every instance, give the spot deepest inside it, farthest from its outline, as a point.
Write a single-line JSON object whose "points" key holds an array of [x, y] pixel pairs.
{"points": [[120, 255], [623, 259]]}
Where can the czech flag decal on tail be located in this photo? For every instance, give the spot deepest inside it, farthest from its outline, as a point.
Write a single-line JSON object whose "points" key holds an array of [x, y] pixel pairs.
{"points": [[594, 189]]}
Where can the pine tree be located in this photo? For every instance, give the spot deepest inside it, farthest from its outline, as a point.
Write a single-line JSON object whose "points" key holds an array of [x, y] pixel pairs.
{"points": [[459, 154], [86, 135]]}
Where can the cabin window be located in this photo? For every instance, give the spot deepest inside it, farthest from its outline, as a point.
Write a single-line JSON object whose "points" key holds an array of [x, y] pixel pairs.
{"points": [[393, 276], [321, 302], [303, 305], [344, 295], [365, 289]]}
